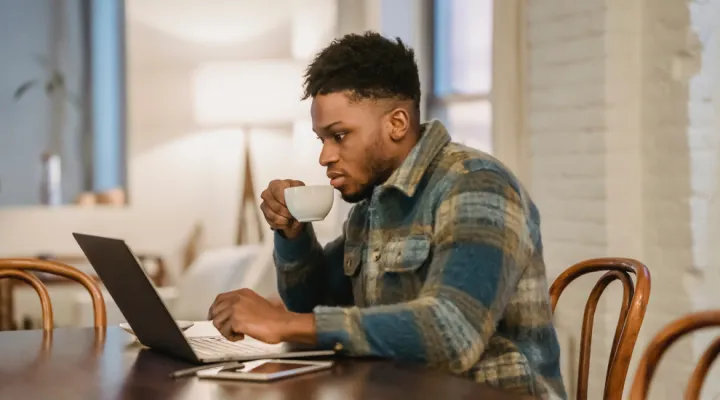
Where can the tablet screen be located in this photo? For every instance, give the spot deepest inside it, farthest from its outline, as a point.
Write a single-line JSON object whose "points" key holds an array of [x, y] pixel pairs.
{"points": [[275, 367]]}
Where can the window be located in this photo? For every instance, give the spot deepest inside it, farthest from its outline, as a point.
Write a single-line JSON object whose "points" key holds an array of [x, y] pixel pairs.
{"points": [[107, 52], [469, 122], [462, 69]]}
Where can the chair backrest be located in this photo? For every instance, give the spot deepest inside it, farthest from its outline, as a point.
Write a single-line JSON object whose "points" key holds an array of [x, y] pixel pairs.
{"points": [[632, 312], [663, 340], [17, 267], [41, 290]]}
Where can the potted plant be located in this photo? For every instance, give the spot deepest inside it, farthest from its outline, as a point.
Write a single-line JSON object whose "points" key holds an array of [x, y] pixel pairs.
{"points": [[54, 86]]}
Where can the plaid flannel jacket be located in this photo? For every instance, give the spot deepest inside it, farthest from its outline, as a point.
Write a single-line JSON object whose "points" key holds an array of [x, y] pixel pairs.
{"points": [[443, 266]]}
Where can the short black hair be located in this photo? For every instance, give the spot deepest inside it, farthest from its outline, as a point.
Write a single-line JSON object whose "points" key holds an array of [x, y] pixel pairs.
{"points": [[368, 65]]}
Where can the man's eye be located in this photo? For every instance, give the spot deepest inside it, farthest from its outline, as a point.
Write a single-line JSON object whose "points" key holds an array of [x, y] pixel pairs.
{"points": [[337, 137]]}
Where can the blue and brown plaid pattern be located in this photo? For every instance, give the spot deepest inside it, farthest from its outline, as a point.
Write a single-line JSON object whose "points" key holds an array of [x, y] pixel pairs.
{"points": [[442, 266]]}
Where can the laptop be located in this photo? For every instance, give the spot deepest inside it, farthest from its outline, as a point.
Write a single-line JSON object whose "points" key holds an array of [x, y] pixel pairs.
{"points": [[140, 304]]}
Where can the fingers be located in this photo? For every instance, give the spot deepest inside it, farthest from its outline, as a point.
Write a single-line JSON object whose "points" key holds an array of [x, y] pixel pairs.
{"points": [[274, 219], [274, 204], [247, 293], [225, 305], [277, 188], [223, 322], [226, 329], [277, 208], [224, 310], [274, 207], [281, 223], [294, 183], [221, 301], [226, 299]]}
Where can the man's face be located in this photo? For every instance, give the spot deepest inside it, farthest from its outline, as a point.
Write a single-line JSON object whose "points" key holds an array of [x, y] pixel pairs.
{"points": [[357, 149]]}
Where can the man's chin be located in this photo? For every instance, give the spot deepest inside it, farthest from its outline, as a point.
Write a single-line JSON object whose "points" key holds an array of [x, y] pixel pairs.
{"points": [[352, 198], [355, 196]]}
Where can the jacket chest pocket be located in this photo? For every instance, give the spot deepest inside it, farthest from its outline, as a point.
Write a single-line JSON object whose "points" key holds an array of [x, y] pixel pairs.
{"points": [[351, 265], [404, 255], [403, 264], [353, 258]]}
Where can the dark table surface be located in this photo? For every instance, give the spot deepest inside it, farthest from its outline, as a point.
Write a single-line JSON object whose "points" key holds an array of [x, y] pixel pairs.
{"points": [[89, 364]]}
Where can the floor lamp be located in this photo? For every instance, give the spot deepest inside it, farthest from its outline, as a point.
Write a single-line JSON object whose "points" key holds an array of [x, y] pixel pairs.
{"points": [[247, 198]]}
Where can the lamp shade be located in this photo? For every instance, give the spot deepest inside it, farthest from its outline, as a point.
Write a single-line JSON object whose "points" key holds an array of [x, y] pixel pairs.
{"points": [[314, 24]]}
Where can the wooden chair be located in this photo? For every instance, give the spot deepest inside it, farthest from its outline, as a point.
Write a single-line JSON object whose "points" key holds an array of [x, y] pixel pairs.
{"points": [[663, 340], [17, 268], [632, 312]]}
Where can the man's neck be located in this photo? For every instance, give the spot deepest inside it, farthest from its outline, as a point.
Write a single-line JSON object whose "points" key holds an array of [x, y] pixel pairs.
{"points": [[411, 140]]}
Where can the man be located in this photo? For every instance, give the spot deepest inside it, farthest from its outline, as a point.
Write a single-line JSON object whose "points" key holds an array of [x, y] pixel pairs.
{"points": [[440, 261]]}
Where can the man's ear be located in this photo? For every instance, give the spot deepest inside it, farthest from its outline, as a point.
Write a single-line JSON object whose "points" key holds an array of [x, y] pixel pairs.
{"points": [[399, 120]]}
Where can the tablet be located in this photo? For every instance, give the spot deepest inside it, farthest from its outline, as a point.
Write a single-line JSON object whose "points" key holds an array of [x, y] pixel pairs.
{"points": [[265, 370]]}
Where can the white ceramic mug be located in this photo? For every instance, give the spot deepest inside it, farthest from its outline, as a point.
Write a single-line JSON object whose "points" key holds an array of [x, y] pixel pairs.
{"points": [[309, 203]]}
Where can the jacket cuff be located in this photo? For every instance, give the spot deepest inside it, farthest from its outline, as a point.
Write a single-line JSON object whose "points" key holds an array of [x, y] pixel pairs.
{"points": [[291, 252], [333, 325]]}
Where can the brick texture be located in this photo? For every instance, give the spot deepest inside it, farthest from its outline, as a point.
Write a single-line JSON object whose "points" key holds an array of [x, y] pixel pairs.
{"points": [[702, 62], [623, 102], [567, 127]]}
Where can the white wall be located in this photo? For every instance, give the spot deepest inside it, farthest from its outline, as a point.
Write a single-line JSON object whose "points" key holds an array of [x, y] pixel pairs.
{"points": [[703, 134], [172, 105], [623, 129], [185, 169]]}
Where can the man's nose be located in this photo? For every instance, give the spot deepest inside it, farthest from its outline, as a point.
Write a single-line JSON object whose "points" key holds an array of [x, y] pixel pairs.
{"points": [[328, 155]]}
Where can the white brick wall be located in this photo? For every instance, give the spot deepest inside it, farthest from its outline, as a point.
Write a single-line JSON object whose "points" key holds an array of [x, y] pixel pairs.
{"points": [[666, 185], [704, 139], [624, 125], [566, 123]]}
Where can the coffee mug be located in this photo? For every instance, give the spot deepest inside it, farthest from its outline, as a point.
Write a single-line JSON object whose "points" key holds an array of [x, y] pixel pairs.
{"points": [[309, 203]]}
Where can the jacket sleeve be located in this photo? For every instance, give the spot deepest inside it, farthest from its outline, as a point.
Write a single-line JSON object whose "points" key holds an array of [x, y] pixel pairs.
{"points": [[481, 244], [310, 275]]}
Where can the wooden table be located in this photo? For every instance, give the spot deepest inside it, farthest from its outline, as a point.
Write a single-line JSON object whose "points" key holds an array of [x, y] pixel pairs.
{"points": [[108, 364]]}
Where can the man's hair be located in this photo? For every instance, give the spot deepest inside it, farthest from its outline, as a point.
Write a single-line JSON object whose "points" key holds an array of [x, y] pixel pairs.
{"points": [[369, 66]]}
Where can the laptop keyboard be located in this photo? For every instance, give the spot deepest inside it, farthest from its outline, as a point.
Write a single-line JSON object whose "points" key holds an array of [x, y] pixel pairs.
{"points": [[219, 346]]}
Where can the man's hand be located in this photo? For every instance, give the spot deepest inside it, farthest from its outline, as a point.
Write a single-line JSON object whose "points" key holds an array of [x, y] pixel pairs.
{"points": [[244, 312], [277, 302], [275, 209]]}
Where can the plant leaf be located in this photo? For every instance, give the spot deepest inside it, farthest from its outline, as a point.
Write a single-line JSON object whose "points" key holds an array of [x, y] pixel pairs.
{"points": [[20, 91], [58, 79]]}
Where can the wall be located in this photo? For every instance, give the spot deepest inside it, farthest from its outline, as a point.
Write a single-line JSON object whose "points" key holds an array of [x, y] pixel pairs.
{"points": [[622, 121], [173, 57], [702, 62], [186, 166], [30, 29], [174, 141]]}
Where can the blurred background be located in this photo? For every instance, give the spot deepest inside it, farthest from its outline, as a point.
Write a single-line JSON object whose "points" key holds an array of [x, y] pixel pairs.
{"points": [[161, 122]]}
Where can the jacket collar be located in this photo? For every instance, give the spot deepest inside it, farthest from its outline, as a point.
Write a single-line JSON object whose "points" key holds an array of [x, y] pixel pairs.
{"points": [[433, 138]]}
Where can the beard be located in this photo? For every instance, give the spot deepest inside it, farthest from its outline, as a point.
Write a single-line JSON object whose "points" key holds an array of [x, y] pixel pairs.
{"points": [[379, 170]]}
